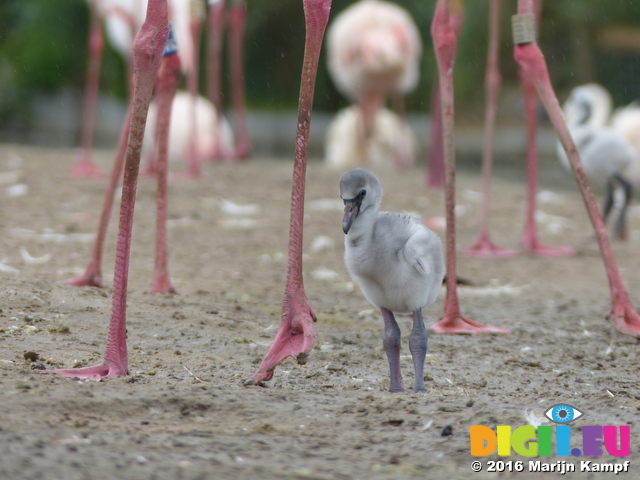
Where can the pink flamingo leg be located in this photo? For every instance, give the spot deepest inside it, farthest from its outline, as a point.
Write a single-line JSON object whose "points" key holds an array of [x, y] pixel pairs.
{"points": [[215, 28], [193, 161], [92, 276], [484, 247], [168, 77], [435, 165], [237, 22], [435, 158], [369, 104], [147, 52], [296, 335], [530, 59], [530, 240], [84, 167], [444, 40]]}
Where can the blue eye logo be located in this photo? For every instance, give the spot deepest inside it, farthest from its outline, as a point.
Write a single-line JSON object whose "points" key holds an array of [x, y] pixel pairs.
{"points": [[562, 413]]}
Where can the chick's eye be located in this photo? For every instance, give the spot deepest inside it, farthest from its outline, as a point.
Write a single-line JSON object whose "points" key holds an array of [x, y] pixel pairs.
{"points": [[362, 193]]}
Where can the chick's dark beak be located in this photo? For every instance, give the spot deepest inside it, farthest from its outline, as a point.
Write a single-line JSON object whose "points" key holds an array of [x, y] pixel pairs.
{"points": [[351, 211]]}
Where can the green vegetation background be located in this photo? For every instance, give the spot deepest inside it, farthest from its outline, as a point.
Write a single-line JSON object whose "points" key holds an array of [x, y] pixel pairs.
{"points": [[43, 49]]}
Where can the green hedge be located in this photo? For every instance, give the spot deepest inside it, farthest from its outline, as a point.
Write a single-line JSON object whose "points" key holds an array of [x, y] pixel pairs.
{"points": [[43, 49]]}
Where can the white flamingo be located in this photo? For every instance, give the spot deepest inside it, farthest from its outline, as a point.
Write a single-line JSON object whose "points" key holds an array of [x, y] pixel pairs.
{"points": [[122, 19], [391, 138], [607, 155], [373, 50], [208, 122]]}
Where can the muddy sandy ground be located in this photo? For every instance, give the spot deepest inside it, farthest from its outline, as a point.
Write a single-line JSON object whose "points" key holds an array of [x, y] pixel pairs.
{"points": [[184, 413]]}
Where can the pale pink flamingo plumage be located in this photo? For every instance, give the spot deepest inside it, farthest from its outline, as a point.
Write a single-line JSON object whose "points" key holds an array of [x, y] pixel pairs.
{"points": [[373, 52]]}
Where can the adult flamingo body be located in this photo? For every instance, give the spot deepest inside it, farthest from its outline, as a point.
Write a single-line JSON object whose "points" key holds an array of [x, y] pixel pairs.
{"points": [[373, 51], [122, 18], [607, 155], [208, 121], [391, 139]]}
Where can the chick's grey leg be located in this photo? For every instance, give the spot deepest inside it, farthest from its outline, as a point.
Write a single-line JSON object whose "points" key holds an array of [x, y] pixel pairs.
{"points": [[391, 343], [418, 349]]}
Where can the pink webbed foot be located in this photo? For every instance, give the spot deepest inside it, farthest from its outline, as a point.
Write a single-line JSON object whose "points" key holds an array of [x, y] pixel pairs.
{"points": [[484, 247], [242, 151], [625, 319], [540, 250], [295, 338], [85, 168], [193, 169], [90, 278], [456, 324], [188, 174], [162, 284], [96, 373]]}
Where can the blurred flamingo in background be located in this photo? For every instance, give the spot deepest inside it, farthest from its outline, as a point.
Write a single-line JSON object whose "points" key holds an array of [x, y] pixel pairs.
{"points": [[235, 17], [608, 156], [122, 18], [208, 120], [391, 138], [533, 67], [373, 51], [92, 275]]}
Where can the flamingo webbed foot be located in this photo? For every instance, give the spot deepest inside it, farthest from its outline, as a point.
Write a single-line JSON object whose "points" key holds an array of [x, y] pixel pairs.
{"points": [[456, 324], [540, 250], [486, 248], [85, 168], [96, 373], [295, 338], [625, 320], [87, 279]]}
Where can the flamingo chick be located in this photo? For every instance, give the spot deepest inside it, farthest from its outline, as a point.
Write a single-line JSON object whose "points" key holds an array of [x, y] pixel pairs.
{"points": [[391, 139], [605, 153], [398, 263]]}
